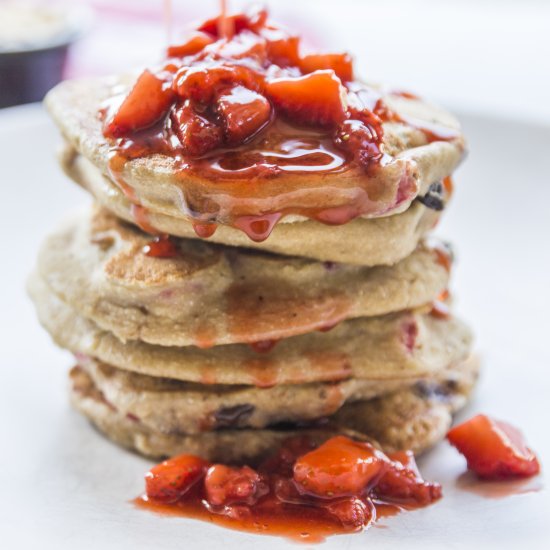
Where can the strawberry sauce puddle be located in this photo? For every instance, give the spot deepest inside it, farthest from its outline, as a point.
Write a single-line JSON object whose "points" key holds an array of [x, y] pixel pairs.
{"points": [[306, 492], [303, 492]]}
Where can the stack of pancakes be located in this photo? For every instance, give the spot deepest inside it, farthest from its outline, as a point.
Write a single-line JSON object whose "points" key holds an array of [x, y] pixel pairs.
{"points": [[226, 346]]}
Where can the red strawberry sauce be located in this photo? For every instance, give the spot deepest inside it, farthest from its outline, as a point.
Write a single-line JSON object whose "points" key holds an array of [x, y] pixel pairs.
{"points": [[303, 492]]}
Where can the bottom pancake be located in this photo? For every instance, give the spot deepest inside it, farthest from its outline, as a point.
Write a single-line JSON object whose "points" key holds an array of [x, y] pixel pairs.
{"points": [[413, 418]]}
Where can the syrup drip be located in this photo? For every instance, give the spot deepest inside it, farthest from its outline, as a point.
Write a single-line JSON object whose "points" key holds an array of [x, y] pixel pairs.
{"points": [[258, 228], [141, 218], [139, 213], [263, 346], [204, 230], [226, 26], [432, 131]]}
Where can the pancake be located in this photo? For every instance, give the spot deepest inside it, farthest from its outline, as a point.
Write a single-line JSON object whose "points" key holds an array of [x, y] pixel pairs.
{"points": [[368, 242], [160, 186], [414, 419], [174, 407], [209, 294], [410, 343]]}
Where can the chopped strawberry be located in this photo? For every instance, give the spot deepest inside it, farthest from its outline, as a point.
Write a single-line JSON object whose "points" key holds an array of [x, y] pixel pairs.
{"points": [[282, 462], [203, 84], [252, 21], [339, 467], [244, 113], [316, 99], [402, 482], [197, 134], [282, 49], [494, 449], [257, 18], [225, 485], [246, 45], [361, 140], [196, 42], [171, 479], [354, 513], [340, 63], [148, 101]]}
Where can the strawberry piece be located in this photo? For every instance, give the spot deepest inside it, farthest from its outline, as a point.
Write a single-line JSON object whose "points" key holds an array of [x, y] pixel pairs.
{"points": [[362, 140], [252, 21], [494, 449], [196, 43], [339, 467], [354, 513], [197, 134], [203, 84], [225, 485], [316, 99], [340, 63], [282, 49], [171, 479], [283, 461], [244, 114], [246, 45], [403, 483], [148, 101]]}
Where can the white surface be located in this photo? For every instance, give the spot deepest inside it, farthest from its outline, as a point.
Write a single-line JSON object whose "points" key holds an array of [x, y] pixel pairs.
{"points": [[64, 487]]}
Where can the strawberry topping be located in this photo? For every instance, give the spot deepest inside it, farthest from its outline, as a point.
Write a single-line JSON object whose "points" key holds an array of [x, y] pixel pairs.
{"points": [[171, 479], [148, 101], [316, 99], [196, 42], [225, 485], [244, 113], [339, 467], [340, 63], [494, 449], [339, 486], [197, 135], [239, 102], [403, 484]]}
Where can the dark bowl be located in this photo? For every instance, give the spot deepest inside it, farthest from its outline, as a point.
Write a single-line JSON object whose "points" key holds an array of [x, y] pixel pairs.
{"points": [[29, 70], [26, 76]]}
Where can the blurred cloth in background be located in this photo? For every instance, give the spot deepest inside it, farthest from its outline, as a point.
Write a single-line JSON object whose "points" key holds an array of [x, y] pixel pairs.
{"points": [[478, 55]]}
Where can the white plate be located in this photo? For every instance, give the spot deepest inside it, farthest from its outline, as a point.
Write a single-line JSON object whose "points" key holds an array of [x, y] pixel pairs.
{"points": [[63, 486]]}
